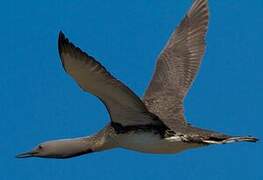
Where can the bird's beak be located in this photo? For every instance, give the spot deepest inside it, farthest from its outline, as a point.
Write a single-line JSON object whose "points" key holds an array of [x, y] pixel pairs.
{"points": [[26, 154]]}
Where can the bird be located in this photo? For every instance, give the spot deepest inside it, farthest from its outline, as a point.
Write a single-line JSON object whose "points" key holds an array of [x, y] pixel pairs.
{"points": [[154, 123]]}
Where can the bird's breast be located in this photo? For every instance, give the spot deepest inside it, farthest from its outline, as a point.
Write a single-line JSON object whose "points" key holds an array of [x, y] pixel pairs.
{"points": [[150, 142]]}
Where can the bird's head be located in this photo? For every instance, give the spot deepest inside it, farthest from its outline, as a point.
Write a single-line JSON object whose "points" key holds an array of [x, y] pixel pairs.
{"points": [[58, 149]]}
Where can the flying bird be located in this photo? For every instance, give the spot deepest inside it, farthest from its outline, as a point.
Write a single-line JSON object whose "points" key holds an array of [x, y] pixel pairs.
{"points": [[155, 123]]}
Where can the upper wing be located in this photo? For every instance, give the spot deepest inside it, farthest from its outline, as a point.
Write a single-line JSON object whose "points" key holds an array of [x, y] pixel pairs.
{"points": [[177, 66], [123, 105]]}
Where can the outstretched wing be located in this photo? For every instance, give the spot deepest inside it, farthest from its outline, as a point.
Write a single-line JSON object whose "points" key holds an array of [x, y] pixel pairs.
{"points": [[177, 66], [123, 105]]}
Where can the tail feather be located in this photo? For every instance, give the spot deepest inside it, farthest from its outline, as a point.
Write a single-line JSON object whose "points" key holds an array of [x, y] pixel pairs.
{"points": [[231, 140], [240, 139]]}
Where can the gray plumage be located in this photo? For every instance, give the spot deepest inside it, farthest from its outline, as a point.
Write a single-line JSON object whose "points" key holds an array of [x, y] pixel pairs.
{"points": [[155, 124], [177, 66]]}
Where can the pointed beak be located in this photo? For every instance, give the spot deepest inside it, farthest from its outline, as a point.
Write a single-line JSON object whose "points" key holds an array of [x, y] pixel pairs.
{"points": [[26, 154]]}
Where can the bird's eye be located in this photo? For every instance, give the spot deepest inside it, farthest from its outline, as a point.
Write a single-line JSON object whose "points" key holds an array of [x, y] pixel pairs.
{"points": [[40, 147]]}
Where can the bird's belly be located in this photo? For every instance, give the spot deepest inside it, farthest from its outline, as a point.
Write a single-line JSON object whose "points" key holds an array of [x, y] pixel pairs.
{"points": [[152, 143]]}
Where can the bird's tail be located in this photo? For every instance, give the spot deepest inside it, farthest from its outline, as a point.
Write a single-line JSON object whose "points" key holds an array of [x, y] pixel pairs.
{"points": [[230, 140]]}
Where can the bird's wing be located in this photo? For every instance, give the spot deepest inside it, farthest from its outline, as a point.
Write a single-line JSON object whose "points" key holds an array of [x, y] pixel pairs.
{"points": [[177, 66], [122, 104]]}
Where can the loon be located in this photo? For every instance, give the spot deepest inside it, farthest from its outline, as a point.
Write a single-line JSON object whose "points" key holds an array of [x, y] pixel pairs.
{"points": [[155, 123]]}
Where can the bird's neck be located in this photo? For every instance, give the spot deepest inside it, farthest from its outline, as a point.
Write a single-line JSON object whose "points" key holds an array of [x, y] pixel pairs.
{"points": [[95, 143], [78, 146]]}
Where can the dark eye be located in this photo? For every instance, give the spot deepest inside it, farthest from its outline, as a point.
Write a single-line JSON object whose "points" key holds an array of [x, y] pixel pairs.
{"points": [[40, 147]]}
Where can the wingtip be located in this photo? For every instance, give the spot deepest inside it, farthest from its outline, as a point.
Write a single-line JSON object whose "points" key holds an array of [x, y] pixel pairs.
{"points": [[61, 35], [61, 40], [200, 2], [61, 32], [199, 6]]}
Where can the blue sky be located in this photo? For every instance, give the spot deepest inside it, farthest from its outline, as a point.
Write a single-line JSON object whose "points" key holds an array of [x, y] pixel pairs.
{"points": [[40, 102]]}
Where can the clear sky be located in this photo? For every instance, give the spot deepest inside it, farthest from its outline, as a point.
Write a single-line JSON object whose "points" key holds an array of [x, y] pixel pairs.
{"points": [[40, 102]]}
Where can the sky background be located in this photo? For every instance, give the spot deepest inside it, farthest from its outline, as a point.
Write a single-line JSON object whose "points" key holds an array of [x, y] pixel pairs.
{"points": [[39, 102]]}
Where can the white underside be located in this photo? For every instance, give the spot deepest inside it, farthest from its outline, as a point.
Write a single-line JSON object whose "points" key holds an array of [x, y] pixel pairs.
{"points": [[151, 143]]}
